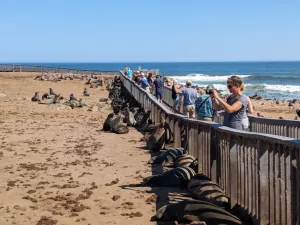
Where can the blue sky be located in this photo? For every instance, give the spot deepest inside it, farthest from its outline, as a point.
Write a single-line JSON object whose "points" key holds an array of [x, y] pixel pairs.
{"points": [[149, 31]]}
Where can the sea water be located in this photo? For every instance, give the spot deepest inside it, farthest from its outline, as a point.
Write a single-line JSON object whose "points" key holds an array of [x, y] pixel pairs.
{"points": [[279, 80]]}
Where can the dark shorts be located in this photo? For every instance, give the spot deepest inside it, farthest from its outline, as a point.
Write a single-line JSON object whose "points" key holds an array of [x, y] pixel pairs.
{"points": [[159, 94]]}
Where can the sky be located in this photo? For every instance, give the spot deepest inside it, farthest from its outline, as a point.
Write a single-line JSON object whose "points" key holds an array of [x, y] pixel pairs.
{"points": [[149, 30]]}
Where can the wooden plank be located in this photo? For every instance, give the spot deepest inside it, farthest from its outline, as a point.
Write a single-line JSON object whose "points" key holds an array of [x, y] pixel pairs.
{"points": [[263, 183]]}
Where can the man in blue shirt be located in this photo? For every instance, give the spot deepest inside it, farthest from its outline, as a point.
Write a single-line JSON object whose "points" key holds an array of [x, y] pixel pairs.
{"points": [[188, 97], [204, 108], [159, 88], [144, 83]]}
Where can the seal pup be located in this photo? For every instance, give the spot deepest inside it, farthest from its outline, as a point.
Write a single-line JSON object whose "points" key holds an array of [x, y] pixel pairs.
{"points": [[167, 157], [202, 188], [72, 98], [36, 97], [175, 177], [117, 127], [196, 210], [51, 92], [85, 92], [108, 122]]}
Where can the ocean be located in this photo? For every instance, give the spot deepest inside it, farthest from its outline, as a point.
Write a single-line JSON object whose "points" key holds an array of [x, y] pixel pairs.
{"points": [[280, 80]]}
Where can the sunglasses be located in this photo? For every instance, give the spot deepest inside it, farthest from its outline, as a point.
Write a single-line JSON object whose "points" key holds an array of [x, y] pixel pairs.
{"points": [[229, 86]]}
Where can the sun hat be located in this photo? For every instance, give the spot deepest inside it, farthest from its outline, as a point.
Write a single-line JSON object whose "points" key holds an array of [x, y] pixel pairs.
{"points": [[210, 87]]}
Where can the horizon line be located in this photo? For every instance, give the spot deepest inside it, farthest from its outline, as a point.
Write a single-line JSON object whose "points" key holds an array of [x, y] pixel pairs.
{"points": [[237, 61]]}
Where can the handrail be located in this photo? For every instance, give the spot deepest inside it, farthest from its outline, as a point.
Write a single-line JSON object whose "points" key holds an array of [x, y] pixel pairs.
{"points": [[287, 128], [259, 172]]}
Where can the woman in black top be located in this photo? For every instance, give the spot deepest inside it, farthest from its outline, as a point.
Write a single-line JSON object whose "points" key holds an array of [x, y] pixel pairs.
{"points": [[175, 92], [150, 81]]}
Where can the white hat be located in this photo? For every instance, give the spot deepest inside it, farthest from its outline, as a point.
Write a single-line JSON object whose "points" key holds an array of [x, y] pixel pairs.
{"points": [[142, 73]]}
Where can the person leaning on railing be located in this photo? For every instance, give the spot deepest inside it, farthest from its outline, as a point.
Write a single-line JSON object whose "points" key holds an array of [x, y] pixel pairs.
{"points": [[188, 97], [204, 108], [235, 104], [175, 91]]}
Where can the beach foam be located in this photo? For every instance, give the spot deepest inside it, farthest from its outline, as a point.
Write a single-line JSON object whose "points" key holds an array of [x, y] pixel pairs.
{"points": [[202, 77]]}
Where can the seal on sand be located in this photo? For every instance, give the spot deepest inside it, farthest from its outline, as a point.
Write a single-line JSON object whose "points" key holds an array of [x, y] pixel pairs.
{"points": [[117, 127], [185, 160], [204, 189], [35, 98], [51, 92], [108, 122], [156, 141], [167, 157], [85, 92], [196, 210], [72, 98], [175, 177]]}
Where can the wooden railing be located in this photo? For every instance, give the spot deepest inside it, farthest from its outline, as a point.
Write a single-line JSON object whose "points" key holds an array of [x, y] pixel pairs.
{"points": [[287, 128], [259, 172]]}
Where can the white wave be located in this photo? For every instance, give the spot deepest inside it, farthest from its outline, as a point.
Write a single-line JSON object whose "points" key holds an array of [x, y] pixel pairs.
{"points": [[202, 77], [283, 88]]}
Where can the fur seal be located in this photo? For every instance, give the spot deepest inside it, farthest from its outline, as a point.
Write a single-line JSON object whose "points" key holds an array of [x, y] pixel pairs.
{"points": [[35, 98], [175, 177], [51, 92], [156, 141], [185, 160], [196, 210], [117, 127], [45, 96], [108, 122], [72, 98], [204, 189], [85, 92], [167, 157], [130, 119]]}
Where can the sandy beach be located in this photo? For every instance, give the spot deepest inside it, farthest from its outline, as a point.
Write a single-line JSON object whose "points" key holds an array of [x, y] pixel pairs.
{"points": [[57, 167], [56, 163]]}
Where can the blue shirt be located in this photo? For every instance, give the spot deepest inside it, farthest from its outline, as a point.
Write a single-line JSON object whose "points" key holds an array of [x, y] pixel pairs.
{"points": [[159, 84], [129, 72], [144, 83], [206, 109], [190, 95]]}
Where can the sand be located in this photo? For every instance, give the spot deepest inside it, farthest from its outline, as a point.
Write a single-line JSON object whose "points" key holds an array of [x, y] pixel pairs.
{"points": [[57, 164], [57, 167]]}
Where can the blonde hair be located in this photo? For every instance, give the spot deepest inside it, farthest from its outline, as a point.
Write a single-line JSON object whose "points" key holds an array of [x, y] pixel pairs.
{"points": [[242, 87]]}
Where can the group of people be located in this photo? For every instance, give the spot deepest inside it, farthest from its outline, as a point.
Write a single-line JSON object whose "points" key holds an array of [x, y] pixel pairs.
{"points": [[147, 82], [235, 107]]}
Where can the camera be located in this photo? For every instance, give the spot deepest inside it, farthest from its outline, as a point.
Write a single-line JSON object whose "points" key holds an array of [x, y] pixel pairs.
{"points": [[210, 92]]}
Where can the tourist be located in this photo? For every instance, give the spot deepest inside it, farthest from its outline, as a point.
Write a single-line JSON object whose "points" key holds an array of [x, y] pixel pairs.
{"points": [[126, 70], [144, 83], [159, 88], [245, 121], [203, 105], [129, 72], [175, 92], [235, 105], [188, 97], [150, 81]]}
